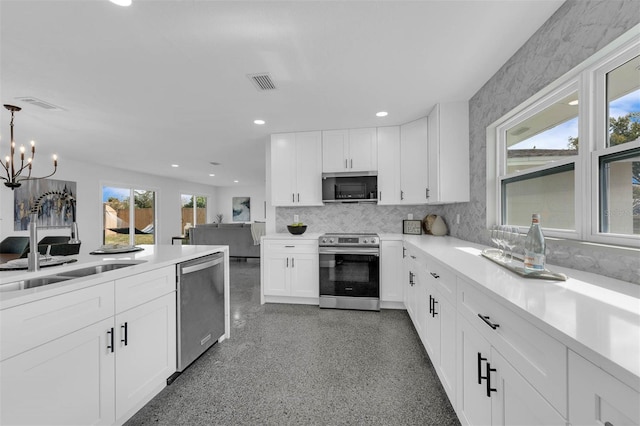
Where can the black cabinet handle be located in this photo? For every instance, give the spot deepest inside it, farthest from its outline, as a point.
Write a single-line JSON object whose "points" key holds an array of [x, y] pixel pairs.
{"points": [[298, 197], [124, 327], [480, 376], [287, 262], [402, 195], [434, 313], [489, 388], [346, 163], [292, 262], [434, 275], [430, 305], [352, 163], [110, 339], [426, 193], [380, 196], [489, 323], [404, 252], [411, 275]]}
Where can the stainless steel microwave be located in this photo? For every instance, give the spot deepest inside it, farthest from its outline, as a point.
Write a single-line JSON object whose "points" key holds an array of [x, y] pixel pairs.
{"points": [[349, 187]]}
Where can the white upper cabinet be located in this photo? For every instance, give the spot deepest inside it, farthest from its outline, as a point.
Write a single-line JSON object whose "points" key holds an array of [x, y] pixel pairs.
{"points": [[296, 169], [448, 153], [389, 165], [414, 176], [353, 150]]}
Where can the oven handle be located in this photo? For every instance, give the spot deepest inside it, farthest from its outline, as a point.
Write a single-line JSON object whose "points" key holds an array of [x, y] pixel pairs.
{"points": [[349, 250]]}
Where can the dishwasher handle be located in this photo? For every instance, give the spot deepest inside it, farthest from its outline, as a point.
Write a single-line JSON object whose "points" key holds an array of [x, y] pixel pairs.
{"points": [[200, 266]]}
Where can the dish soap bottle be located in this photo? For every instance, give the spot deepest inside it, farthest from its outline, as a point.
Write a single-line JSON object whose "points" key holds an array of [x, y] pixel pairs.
{"points": [[534, 247]]}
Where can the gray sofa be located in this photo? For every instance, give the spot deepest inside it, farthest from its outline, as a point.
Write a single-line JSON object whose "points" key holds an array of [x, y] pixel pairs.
{"points": [[235, 235]]}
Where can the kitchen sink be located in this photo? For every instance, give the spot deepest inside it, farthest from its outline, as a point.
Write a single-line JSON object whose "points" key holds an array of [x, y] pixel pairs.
{"points": [[67, 275], [34, 282], [97, 269]]}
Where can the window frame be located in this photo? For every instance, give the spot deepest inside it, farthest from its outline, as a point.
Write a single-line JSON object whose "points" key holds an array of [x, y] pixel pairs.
{"points": [[194, 198], [132, 190], [589, 80]]}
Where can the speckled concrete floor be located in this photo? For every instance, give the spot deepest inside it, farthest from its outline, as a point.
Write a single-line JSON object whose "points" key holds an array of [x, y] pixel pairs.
{"points": [[300, 365]]}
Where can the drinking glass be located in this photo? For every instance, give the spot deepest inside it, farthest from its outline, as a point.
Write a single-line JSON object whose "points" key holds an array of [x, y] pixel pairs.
{"points": [[511, 236], [496, 236]]}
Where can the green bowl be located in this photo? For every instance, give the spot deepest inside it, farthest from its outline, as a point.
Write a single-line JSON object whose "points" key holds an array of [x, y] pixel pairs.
{"points": [[297, 230]]}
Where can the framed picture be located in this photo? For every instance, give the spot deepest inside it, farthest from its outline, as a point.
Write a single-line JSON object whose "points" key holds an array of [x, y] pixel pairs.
{"points": [[241, 207], [413, 227], [54, 213]]}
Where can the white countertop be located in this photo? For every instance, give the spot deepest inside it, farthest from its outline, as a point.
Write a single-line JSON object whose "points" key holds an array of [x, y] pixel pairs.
{"points": [[153, 257], [597, 316]]}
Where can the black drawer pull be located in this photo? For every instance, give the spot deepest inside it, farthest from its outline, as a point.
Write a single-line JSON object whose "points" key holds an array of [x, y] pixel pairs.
{"points": [[434, 275], [489, 323], [110, 344], [124, 327], [489, 388], [480, 376], [434, 313]]}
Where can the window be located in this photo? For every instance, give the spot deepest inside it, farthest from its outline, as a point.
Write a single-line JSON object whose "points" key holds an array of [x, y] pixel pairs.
{"points": [[194, 210], [121, 223], [572, 153]]}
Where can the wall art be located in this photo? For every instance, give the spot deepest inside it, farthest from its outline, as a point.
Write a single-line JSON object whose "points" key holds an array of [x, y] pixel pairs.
{"points": [[54, 212]]}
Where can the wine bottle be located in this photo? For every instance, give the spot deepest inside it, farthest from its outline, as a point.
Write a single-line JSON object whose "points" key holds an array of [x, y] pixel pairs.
{"points": [[534, 247]]}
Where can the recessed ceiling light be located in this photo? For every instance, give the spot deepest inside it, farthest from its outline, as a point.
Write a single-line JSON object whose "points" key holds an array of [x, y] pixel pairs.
{"points": [[121, 2], [175, 165], [260, 122], [235, 181], [382, 114], [211, 174], [574, 103]]}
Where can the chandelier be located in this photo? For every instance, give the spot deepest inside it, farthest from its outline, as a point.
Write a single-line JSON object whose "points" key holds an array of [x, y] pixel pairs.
{"points": [[14, 173]]}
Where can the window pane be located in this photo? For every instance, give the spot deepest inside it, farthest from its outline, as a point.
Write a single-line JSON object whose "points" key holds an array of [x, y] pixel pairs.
{"points": [[115, 202], [544, 137], [144, 216], [620, 193], [550, 193], [187, 211], [623, 98], [201, 209]]}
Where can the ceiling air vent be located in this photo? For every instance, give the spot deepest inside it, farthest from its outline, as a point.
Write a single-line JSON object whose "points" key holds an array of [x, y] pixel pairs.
{"points": [[262, 81], [39, 102]]}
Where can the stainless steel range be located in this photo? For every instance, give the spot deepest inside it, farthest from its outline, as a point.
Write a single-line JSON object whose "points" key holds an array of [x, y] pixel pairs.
{"points": [[350, 271]]}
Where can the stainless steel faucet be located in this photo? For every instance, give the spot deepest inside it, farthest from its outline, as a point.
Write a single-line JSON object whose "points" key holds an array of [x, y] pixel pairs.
{"points": [[33, 256]]}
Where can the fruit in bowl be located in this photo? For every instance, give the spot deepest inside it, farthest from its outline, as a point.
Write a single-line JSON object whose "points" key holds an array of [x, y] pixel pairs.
{"points": [[297, 228]]}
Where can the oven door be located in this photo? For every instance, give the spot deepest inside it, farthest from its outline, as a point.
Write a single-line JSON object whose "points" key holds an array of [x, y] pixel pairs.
{"points": [[347, 273]]}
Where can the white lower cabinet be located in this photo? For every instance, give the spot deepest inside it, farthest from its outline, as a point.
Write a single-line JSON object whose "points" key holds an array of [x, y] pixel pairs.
{"points": [[391, 273], [67, 381], [290, 269], [440, 331], [491, 391], [96, 364], [145, 352], [597, 398], [414, 294]]}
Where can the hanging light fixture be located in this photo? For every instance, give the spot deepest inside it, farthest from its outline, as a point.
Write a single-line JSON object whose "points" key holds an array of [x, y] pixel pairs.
{"points": [[14, 173]]}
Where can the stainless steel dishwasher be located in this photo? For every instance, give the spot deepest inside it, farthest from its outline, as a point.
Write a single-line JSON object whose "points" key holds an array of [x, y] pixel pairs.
{"points": [[200, 306]]}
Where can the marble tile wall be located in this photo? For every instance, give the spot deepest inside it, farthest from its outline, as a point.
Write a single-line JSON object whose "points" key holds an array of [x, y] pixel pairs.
{"points": [[576, 31]]}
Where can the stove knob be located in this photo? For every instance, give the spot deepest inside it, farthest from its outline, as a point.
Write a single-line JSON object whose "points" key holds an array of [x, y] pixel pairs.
{"points": [[324, 240], [330, 240], [364, 241]]}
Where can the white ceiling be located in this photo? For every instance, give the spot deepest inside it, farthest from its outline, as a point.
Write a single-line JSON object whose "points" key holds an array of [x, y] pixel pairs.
{"points": [[164, 82]]}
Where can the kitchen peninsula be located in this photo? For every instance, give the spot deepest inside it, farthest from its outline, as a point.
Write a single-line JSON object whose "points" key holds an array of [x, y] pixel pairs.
{"points": [[92, 349]]}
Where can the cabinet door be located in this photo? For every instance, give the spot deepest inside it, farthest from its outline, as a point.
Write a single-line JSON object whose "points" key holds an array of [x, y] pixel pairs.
{"points": [[391, 271], [447, 368], [145, 352], [335, 150], [276, 274], [308, 166], [597, 398], [414, 162], [448, 152], [515, 401], [69, 380], [473, 405], [363, 150], [389, 165], [305, 275], [283, 172]]}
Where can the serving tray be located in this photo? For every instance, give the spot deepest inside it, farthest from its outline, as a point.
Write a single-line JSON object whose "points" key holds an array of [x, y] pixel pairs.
{"points": [[116, 248], [518, 268]]}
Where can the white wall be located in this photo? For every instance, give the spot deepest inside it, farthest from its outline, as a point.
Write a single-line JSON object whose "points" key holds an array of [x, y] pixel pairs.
{"points": [[224, 200], [90, 178]]}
